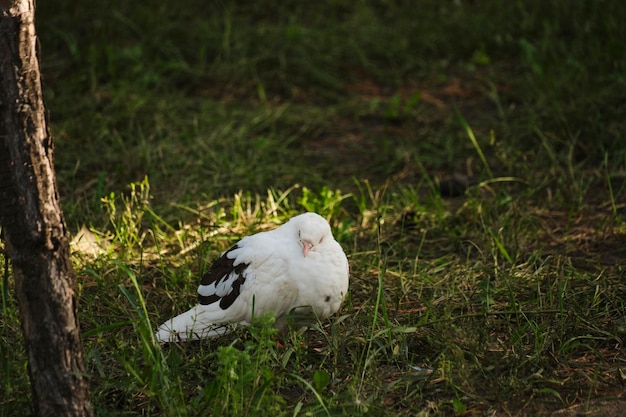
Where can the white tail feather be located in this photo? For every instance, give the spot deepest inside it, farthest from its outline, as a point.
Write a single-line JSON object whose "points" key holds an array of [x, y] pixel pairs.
{"points": [[193, 324]]}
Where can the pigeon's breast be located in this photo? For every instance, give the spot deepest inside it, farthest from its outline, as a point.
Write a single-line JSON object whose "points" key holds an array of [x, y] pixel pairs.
{"points": [[322, 279]]}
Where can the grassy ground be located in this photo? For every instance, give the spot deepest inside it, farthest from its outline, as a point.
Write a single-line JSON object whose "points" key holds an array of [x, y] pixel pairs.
{"points": [[471, 157]]}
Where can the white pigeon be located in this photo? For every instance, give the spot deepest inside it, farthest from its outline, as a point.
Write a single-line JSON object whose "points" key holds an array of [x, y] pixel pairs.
{"points": [[298, 267]]}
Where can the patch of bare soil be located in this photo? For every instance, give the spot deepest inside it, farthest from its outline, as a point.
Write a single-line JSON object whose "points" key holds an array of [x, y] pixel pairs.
{"points": [[590, 238], [611, 407]]}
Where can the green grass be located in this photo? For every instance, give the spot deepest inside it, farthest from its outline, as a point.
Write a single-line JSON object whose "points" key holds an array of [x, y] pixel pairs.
{"points": [[471, 158]]}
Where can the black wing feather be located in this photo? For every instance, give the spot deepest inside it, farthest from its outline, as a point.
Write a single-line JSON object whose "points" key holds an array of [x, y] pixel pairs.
{"points": [[221, 269]]}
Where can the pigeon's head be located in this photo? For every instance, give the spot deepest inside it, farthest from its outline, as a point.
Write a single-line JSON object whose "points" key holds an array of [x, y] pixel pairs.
{"points": [[313, 231]]}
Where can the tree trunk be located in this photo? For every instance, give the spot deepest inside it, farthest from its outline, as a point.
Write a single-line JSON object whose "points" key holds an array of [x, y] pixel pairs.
{"points": [[36, 237]]}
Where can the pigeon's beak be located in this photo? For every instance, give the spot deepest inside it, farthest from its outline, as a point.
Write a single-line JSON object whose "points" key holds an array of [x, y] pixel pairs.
{"points": [[306, 247]]}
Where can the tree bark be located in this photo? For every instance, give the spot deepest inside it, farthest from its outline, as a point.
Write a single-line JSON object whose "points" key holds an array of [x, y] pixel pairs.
{"points": [[36, 237]]}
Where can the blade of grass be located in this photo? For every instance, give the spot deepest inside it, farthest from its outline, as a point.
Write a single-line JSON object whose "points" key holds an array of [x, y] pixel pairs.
{"points": [[317, 395], [159, 384], [472, 138]]}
